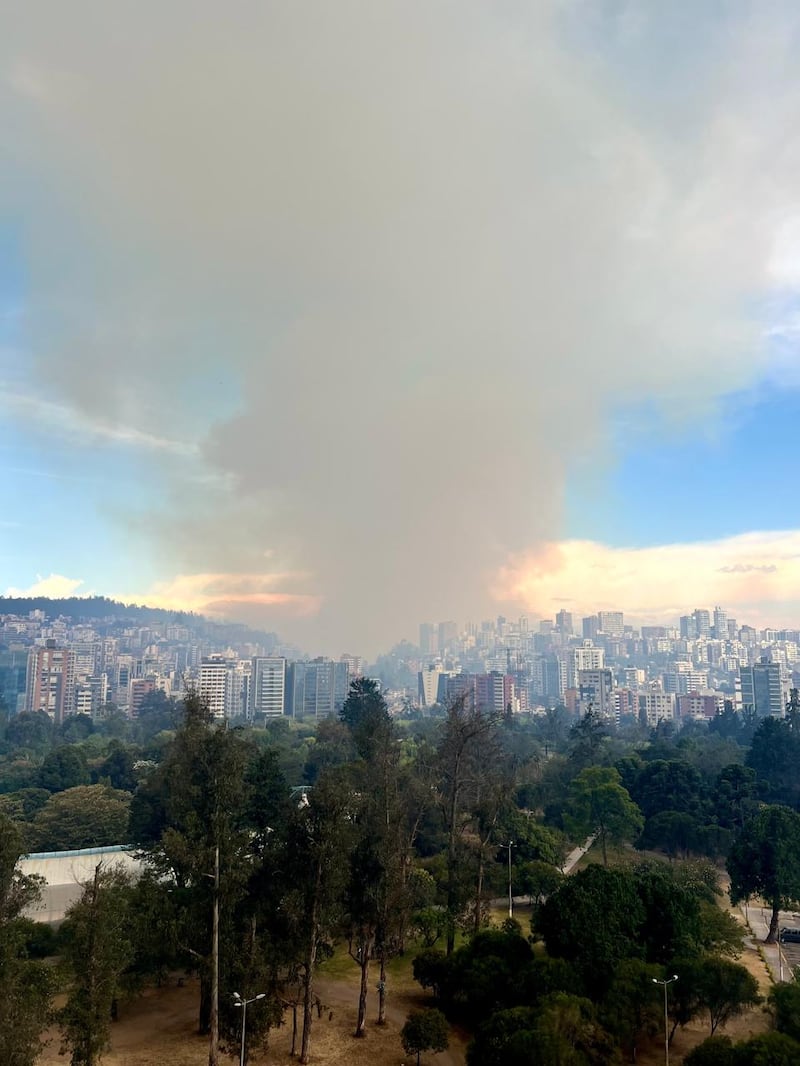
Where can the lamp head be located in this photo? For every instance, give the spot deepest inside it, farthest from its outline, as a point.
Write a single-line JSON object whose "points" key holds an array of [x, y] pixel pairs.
{"points": [[261, 995]]}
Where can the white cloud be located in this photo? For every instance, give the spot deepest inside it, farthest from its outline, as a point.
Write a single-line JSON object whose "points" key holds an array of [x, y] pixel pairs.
{"points": [[74, 423], [55, 585], [756, 576]]}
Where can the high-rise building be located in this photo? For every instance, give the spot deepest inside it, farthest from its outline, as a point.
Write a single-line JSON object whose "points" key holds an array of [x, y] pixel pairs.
{"points": [[656, 706], [428, 681], [494, 692], [50, 681], [595, 691], [138, 691], [316, 689], [355, 665], [611, 623], [586, 657], [564, 623], [590, 627], [224, 685], [546, 678], [688, 627], [13, 671], [702, 621], [448, 636], [428, 638], [268, 686], [720, 624], [762, 688], [213, 686]]}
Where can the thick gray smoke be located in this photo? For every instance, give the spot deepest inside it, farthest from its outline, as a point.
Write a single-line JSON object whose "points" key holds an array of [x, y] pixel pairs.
{"points": [[389, 268]]}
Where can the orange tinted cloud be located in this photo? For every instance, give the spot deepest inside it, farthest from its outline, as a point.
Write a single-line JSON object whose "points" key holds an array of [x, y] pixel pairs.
{"points": [[756, 575], [228, 593]]}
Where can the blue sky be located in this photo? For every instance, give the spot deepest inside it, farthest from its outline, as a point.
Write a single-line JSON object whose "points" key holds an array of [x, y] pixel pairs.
{"points": [[452, 309], [699, 480]]}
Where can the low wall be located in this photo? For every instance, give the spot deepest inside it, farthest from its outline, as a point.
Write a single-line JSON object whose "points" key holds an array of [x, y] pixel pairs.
{"points": [[66, 872]]}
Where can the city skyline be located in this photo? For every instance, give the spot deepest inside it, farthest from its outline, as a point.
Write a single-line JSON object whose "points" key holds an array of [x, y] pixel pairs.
{"points": [[325, 321]]}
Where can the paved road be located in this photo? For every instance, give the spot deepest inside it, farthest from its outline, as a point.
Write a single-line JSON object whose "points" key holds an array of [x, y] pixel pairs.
{"points": [[577, 854], [781, 958]]}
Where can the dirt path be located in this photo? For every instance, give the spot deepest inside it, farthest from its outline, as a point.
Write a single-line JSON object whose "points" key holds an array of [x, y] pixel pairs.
{"points": [[341, 995], [160, 1027]]}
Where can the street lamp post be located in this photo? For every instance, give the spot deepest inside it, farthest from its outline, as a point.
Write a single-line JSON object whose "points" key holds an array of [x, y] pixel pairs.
{"points": [[244, 1003], [666, 983], [509, 846]]}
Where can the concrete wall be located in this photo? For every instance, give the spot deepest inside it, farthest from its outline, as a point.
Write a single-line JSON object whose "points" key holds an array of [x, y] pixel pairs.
{"points": [[66, 872]]}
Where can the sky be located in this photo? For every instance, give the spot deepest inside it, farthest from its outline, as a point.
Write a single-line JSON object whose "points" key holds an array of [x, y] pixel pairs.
{"points": [[337, 318]]}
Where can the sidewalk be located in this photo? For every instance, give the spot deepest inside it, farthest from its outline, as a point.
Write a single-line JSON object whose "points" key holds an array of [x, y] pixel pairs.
{"points": [[576, 855], [758, 918]]}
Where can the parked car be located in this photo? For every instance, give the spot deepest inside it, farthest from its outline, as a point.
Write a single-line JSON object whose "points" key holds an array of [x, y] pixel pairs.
{"points": [[789, 936]]}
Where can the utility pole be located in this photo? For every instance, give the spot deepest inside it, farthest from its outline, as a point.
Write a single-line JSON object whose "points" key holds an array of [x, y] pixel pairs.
{"points": [[509, 846], [665, 984]]}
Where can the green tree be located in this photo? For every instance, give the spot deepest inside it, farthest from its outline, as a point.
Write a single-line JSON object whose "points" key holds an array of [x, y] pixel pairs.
{"points": [[425, 1030], [735, 796], [567, 1031], [466, 734], [538, 880], [157, 713], [668, 785], [586, 738], [593, 921], [117, 767], [319, 839], [96, 948], [598, 803], [504, 1039], [30, 731], [632, 1009], [197, 834], [24, 804], [775, 757], [716, 1051], [26, 986], [765, 861], [88, 816], [673, 832], [768, 1049], [724, 988], [366, 715], [784, 1001], [63, 768]]}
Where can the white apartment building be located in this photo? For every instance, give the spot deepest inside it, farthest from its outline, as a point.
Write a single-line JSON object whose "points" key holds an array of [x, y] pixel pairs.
{"points": [[585, 657], [268, 686], [656, 706]]}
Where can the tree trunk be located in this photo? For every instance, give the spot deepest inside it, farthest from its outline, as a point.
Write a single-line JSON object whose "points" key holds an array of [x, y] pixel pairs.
{"points": [[772, 935], [361, 1021], [382, 990], [204, 1019], [310, 962], [451, 860], [293, 1052], [603, 846], [478, 894]]}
